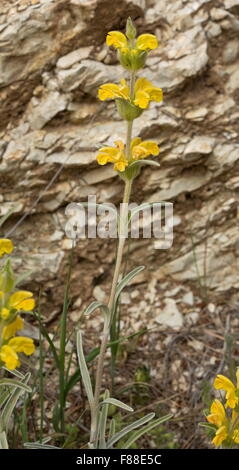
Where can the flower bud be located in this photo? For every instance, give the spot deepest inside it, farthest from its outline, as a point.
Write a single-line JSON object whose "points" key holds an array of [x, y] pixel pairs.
{"points": [[127, 110], [7, 278], [130, 29]]}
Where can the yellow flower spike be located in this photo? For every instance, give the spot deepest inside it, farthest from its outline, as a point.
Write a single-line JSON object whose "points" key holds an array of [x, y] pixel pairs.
{"points": [[21, 300], [220, 436], [223, 383], [4, 313], [9, 357], [116, 39], [10, 330], [146, 41], [6, 246], [22, 344]]}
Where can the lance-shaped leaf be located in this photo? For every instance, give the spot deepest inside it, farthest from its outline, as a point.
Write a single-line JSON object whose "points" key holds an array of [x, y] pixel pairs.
{"points": [[118, 403], [3, 440], [145, 162], [84, 370], [128, 429], [15, 383], [103, 421], [94, 305], [137, 434], [126, 280], [11, 403]]}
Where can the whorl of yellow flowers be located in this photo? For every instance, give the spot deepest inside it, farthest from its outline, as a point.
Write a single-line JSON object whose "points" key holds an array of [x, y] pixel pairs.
{"points": [[225, 419], [11, 304], [131, 98]]}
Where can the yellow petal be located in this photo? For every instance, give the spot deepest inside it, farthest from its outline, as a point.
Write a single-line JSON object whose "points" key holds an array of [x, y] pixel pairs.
{"points": [[223, 383], [21, 300], [146, 41], [235, 436], [119, 144], [220, 436], [11, 329], [22, 344], [120, 166], [102, 159], [9, 356], [134, 142], [142, 83], [156, 94], [116, 39], [237, 376], [218, 414], [142, 99], [6, 246]]}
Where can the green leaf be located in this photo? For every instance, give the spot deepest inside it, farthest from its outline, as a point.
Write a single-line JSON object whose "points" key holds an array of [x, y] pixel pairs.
{"points": [[128, 429], [103, 421], [3, 440], [118, 403], [37, 445], [145, 429], [84, 370]]}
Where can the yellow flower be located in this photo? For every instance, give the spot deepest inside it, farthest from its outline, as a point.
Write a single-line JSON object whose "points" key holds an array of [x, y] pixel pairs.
{"points": [[116, 39], [10, 330], [8, 352], [21, 300], [232, 392], [142, 149], [6, 246], [112, 91], [138, 149], [115, 155], [146, 41], [218, 414], [145, 92], [220, 436]]}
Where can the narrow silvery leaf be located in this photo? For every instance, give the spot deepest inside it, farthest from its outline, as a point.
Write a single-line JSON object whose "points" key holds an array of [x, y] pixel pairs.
{"points": [[128, 429], [3, 440], [15, 372], [84, 370], [11, 403], [145, 162], [112, 428], [137, 434], [15, 383], [94, 305], [118, 403], [103, 421], [126, 280], [36, 445], [4, 396]]}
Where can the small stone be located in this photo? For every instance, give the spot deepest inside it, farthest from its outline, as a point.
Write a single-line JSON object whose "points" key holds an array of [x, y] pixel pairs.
{"points": [[200, 144], [218, 14], [231, 52], [73, 57], [99, 294], [211, 307], [197, 114], [188, 298], [213, 29], [170, 316]]}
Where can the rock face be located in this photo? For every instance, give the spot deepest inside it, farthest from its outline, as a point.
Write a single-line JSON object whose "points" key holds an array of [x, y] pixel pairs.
{"points": [[52, 60]]}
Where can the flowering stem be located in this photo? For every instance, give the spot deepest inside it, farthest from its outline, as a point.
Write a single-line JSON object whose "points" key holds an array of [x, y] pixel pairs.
{"points": [[123, 230]]}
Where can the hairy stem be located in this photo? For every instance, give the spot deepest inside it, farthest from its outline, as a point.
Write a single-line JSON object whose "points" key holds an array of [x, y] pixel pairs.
{"points": [[123, 229]]}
